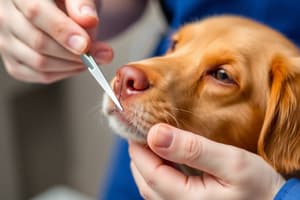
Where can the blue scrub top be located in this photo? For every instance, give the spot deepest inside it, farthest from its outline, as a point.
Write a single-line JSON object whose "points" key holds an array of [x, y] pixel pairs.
{"points": [[282, 15]]}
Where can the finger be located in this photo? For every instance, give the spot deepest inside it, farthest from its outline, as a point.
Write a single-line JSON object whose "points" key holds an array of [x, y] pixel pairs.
{"points": [[37, 61], [102, 52], [38, 40], [42, 43], [24, 73], [145, 191], [159, 176], [196, 151], [5, 19], [53, 21], [83, 12]]}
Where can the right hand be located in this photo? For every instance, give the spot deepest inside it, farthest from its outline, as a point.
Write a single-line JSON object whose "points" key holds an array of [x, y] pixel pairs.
{"points": [[40, 41]]}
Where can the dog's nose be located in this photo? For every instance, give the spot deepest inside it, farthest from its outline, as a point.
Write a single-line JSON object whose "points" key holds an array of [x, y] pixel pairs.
{"points": [[130, 80]]}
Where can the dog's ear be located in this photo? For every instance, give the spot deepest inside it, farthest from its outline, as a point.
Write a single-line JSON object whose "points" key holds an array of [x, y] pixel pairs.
{"points": [[279, 140]]}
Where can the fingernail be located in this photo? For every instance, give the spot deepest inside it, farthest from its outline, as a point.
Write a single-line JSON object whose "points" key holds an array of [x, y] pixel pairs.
{"points": [[77, 43], [163, 137], [88, 11]]}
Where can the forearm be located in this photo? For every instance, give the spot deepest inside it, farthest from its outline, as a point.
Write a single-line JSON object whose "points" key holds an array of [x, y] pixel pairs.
{"points": [[116, 16]]}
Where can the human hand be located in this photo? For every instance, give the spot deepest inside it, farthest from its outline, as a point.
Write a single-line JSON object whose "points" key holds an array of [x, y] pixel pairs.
{"points": [[229, 172], [40, 40]]}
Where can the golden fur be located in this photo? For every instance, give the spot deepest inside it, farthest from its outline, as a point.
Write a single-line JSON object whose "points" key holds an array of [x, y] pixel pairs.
{"points": [[227, 78]]}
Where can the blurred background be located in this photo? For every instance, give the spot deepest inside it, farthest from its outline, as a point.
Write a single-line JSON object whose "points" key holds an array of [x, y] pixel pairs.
{"points": [[54, 141]]}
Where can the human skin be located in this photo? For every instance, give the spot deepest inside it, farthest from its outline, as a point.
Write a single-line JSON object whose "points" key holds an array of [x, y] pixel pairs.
{"points": [[229, 172], [40, 41]]}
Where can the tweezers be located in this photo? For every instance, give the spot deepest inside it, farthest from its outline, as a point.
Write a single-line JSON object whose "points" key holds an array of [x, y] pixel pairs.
{"points": [[96, 72]]}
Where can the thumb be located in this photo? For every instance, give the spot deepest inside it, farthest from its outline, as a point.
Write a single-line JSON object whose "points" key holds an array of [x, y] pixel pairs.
{"points": [[195, 151], [83, 12]]}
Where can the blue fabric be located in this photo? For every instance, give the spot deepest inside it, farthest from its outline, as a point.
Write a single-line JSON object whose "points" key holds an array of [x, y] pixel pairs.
{"points": [[282, 15], [289, 191], [119, 183]]}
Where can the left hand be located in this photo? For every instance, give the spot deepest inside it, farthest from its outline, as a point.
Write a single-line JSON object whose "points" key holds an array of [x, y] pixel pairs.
{"points": [[229, 172]]}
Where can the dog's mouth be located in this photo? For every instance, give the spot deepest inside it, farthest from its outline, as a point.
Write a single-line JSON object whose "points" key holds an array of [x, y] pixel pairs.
{"points": [[140, 113]]}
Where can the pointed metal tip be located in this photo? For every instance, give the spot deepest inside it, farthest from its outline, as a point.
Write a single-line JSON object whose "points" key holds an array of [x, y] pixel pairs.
{"points": [[118, 104], [120, 107], [115, 100]]}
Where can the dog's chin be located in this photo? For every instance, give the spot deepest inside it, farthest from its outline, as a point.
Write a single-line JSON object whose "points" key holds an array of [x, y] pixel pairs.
{"points": [[125, 129]]}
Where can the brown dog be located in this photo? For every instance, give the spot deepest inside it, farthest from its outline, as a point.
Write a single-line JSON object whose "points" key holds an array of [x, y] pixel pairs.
{"points": [[227, 78]]}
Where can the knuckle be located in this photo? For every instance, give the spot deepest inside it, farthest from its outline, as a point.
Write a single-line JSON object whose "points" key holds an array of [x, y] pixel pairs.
{"points": [[10, 70], [32, 10], [150, 181], [13, 71], [60, 28], [192, 149], [39, 42], [46, 78], [239, 160], [40, 63]]}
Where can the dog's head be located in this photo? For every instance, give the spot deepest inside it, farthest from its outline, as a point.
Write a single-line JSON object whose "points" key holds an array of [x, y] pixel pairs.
{"points": [[227, 78]]}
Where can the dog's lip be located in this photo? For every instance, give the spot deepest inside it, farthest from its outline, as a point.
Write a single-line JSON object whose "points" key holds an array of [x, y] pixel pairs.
{"points": [[116, 113], [121, 117], [112, 111]]}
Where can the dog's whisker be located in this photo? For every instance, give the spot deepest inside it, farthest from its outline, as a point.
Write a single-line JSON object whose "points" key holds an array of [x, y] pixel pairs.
{"points": [[166, 119], [182, 110], [134, 116], [187, 112], [173, 118], [186, 124], [95, 109]]}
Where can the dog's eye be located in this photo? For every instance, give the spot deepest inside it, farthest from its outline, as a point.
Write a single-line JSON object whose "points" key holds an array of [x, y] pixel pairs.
{"points": [[221, 75]]}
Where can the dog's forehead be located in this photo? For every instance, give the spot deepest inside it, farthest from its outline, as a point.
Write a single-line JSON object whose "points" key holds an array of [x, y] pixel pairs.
{"points": [[212, 35], [244, 35], [220, 27]]}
